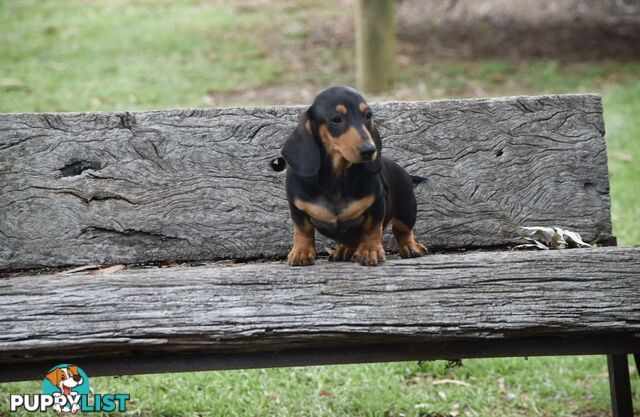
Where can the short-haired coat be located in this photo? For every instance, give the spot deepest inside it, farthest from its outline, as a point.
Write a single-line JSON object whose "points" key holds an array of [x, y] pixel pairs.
{"points": [[338, 182]]}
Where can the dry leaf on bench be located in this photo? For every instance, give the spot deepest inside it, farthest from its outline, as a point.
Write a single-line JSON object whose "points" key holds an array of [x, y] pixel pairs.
{"points": [[107, 271], [81, 269], [549, 238]]}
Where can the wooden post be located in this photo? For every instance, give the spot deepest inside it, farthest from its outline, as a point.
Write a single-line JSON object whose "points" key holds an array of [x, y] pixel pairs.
{"points": [[375, 44]]}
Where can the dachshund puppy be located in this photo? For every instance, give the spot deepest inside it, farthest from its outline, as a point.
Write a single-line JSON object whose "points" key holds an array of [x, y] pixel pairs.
{"points": [[338, 182]]}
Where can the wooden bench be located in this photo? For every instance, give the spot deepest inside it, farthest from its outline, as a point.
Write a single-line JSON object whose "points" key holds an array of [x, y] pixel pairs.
{"points": [[199, 185]]}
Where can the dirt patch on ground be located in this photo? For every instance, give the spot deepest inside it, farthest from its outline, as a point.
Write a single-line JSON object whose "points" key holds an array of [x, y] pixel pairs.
{"points": [[561, 29], [316, 45]]}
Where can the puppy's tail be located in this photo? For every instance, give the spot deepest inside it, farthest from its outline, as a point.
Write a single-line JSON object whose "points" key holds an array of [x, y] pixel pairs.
{"points": [[415, 179]]}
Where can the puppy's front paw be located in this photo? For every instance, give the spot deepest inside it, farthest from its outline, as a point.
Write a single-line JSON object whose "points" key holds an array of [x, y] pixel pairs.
{"points": [[302, 255], [412, 249], [341, 254], [369, 254]]}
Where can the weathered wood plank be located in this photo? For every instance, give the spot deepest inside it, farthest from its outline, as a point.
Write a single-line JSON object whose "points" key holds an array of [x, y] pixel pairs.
{"points": [[197, 184], [407, 351], [264, 308]]}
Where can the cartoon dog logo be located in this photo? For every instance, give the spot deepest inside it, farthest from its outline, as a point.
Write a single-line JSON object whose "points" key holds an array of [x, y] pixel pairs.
{"points": [[67, 379]]}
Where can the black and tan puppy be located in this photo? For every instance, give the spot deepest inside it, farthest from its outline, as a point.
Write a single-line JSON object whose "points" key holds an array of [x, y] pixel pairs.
{"points": [[338, 183]]}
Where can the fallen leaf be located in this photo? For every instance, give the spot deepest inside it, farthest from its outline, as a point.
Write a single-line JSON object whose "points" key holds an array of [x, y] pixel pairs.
{"points": [[575, 239], [107, 271], [169, 264], [451, 381], [529, 245], [550, 237], [325, 394], [81, 268], [621, 156], [15, 84]]}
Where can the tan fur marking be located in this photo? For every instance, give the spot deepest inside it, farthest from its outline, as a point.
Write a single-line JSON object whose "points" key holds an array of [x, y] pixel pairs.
{"points": [[341, 109], [304, 235], [400, 226], [407, 244], [316, 211], [370, 140], [307, 126], [363, 107], [344, 146], [303, 251], [319, 212], [370, 250], [356, 208], [342, 253]]}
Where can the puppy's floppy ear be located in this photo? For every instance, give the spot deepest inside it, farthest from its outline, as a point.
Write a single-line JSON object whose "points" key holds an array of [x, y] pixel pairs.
{"points": [[55, 376], [73, 369], [375, 166], [300, 150]]}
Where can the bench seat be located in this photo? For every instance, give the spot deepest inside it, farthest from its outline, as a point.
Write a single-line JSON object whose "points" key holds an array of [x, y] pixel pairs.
{"points": [[222, 316]]}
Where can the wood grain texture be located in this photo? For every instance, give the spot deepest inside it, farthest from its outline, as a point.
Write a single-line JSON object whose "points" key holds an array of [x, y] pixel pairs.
{"points": [[269, 307], [197, 184]]}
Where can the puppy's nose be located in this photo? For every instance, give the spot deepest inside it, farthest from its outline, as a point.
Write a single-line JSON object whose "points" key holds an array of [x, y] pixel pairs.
{"points": [[367, 150], [77, 378]]}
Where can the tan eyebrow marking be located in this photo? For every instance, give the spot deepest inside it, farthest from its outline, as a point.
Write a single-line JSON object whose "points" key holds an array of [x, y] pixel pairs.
{"points": [[363, 107], [341, 109]]}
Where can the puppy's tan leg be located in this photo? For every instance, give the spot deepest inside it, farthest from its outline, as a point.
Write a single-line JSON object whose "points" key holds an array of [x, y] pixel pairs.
{"points": [[341, 253], [370, 250], [303, 251], [407, 244]]}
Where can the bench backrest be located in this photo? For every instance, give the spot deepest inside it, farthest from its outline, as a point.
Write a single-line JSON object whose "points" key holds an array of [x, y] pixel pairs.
{"points": [[106, 188]]}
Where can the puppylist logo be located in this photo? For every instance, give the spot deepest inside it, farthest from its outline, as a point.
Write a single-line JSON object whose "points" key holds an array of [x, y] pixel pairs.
{"points": [[66, 389]]}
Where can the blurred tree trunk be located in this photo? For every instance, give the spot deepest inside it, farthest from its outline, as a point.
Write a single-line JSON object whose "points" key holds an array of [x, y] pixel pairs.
{"points": [[375, 44]]}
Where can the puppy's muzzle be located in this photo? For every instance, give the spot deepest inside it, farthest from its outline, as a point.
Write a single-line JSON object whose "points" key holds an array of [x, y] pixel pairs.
{"points": [[366, 151]]}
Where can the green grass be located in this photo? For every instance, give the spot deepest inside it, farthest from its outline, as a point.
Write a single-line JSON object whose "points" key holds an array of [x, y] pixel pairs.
{"points": [[621, 110], [57, 56], [565, 386], [81, 55], [448, 78]]}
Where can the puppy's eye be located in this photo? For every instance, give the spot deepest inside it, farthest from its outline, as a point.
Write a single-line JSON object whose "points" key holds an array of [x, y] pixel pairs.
{"points": [[63, 377], [336, 119], [368, 115]]}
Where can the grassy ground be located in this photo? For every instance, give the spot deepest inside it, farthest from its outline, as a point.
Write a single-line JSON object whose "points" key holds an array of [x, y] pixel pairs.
{"points": [[567, 386], [76, 55]]}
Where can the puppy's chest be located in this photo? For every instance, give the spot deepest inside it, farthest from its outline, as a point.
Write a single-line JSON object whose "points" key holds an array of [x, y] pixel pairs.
{"points": [[335, 214]]}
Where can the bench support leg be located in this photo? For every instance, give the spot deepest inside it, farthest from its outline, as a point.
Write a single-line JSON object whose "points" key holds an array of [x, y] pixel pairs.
{"points": [[620, 385]]}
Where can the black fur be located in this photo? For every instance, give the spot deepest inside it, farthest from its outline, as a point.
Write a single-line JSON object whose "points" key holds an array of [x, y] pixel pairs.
{"points": [[313, 177]]}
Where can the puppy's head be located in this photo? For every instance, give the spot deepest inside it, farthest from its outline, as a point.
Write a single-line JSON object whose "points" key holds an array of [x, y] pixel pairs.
{"points": [[341, 122]]}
